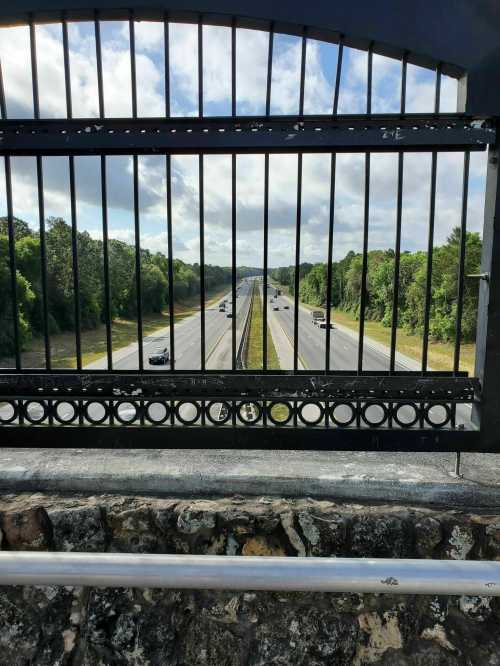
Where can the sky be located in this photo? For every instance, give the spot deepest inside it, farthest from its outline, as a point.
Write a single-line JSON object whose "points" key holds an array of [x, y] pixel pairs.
{"points": [[251, 78]]}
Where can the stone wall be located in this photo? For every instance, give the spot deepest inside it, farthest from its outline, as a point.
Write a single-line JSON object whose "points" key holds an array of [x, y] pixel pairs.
{"points": [[50, 625]]}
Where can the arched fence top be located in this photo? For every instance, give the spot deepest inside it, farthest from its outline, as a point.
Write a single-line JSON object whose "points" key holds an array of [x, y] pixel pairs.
{"points": [[462, 37]]}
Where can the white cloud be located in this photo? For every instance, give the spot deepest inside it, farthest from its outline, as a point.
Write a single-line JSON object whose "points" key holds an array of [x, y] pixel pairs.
{"points": [[252, 57]]}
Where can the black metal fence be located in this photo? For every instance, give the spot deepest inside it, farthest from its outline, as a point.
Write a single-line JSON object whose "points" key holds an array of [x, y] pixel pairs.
{"points": [[364, 409]]}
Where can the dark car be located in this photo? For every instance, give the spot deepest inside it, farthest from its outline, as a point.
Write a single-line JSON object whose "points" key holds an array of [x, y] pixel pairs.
{"points": [[230, 315], [286, 307], [160, 357], [275, 307]]}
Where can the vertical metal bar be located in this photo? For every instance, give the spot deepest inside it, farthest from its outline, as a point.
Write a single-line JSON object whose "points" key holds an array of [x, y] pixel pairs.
{"points": [[41, 207], [266, 253], [74, 252], [397, 264], [404, 68], [138, 281], [12, 260], [233, 257], [297, 266], [133, 77], [437, 91], [364, 273], [43, 261], [168, 166], [269, 69], [74, 230], [333, 164], [200, 67], [487, 363], [105, 256], [166, 39], [34, 69], [461, 263], [98, 58], [430, 247], [338, 76], [3, 106], [202, 258], [399, 213], [302, 72], [369, 80], [233, 67], [67, 71]]}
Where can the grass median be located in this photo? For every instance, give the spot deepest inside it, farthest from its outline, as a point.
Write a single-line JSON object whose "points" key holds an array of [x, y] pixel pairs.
{"points": [[254, 356]]}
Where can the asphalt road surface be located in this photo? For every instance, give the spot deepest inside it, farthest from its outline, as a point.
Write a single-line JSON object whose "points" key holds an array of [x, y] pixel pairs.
{"points": [[187, 337], [187, 343], [343, 355]]}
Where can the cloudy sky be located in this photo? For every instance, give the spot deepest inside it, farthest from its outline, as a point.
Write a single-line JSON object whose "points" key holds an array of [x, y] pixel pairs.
{"points": [[251, 76]]}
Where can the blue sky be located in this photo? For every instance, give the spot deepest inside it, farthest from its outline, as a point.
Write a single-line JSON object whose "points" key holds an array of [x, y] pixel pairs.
{"points": [[251, 75]]}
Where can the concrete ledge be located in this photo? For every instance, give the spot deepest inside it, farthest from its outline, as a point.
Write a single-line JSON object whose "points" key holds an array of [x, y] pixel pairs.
{"points": [[366, 477]]}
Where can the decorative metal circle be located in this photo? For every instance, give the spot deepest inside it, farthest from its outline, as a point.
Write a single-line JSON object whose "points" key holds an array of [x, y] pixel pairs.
{"points": [[440, 423], [13, 408], [341, 423], [56, 413], [304, 419], [258, 412], [374, 423], [31, 405], [225, 412], [120, 409], [181, 404], [411, 422], [276, 403], [151, 418], [90, 405]]}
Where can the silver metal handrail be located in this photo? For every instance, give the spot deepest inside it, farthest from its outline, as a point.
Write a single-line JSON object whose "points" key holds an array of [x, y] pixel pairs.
{"points": [[216, 572]]}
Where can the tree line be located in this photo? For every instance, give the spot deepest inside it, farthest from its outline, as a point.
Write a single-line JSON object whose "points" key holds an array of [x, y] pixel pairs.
{"points": [[60, 282], [347, 278]]}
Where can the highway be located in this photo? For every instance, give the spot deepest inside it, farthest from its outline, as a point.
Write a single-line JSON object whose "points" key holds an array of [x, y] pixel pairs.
{"points": [[187, 339], [312, 341], [343, 352], [187, 344], [218, 336]]}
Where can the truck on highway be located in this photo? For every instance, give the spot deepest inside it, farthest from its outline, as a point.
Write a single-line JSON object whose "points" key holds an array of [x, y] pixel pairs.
{"points": [[317, 315], [319, 319]]}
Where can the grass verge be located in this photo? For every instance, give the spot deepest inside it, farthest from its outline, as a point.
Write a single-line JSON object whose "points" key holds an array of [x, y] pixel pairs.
{"points": [[440, 354], [93, 341]]}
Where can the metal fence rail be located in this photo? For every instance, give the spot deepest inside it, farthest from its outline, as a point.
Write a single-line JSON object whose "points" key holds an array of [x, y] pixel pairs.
{"points": [[299, 411], [284, 574]]}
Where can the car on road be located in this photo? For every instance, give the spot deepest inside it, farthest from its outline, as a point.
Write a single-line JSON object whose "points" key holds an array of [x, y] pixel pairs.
{"points": [[159, 357], [286, 307], [229, 315], [276, 307], [222, 307], [322, 323]]}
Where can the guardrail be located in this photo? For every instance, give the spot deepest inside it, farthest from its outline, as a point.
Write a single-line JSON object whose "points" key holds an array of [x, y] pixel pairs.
{"points": [[243, 346], [216, 572]]}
